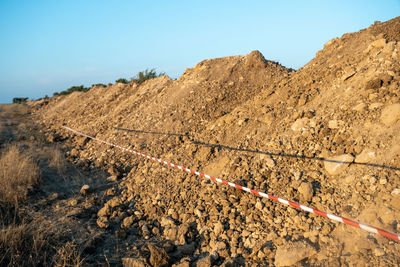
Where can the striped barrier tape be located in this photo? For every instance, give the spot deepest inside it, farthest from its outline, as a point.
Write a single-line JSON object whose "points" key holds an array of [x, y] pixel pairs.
{"points": [[330, 216]]}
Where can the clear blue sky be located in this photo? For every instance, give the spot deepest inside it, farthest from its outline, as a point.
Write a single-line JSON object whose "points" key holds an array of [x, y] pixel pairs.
{"points": [[49, 46]]}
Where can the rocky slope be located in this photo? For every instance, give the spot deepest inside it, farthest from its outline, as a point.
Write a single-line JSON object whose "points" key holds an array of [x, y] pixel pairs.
{"points": [[259, 124]]}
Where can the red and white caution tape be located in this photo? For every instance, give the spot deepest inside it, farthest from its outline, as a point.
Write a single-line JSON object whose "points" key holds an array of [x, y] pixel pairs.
{"points": [[331, 216]]}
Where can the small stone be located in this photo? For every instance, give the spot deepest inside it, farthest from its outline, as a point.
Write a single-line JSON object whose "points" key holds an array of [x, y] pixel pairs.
{"points": [[366, 156], [114, 202], [131, 262], [390, 114], [297, 175], [349, 179], [290, 254], [359, 107], [113, 171], [218, 228], [379, 252], [306, 191], [73, 202], [85, 189], [198, 213], [128, 221], [54, 196], [383, 181], [395, 192], [204, 262], [158, 256], [185, 262], [335, 124], [104, 211], [167, 222], [299, 125], [270, 163], [370, 178], [74, 152], [112, 178], [103, 222], [259, 205], [335, 165]]}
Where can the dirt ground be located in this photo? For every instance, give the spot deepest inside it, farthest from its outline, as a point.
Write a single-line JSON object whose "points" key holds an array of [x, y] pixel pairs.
{"points": [[326, 135]]}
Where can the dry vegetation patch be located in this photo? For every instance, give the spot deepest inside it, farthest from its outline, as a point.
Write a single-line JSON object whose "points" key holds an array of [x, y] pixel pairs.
{"points": [[18, 174]]}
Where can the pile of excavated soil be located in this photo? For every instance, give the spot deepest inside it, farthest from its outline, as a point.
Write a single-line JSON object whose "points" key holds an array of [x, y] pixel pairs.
{"points": [[253, 122]]}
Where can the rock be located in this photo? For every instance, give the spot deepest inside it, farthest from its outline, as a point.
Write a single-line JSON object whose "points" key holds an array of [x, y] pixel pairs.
{"points": [[259, 205], [359, 107], [306, 191], [290, 254], [185, 262], [74, 152], [390, 114], [112, 178], [335, 124], [348, 74], [204, 262], [73, 202], [85, 190], [374, 84], [113, 171], [395, 192], [128, 221], [366, 156], [379, 252], [218, 228], [270, 163], [158, 256], [103, 222], [300, 125], [337, 164], [54, 196], [167, 222], [114, 202], [379, 43], [104, 211], [131, 262]]}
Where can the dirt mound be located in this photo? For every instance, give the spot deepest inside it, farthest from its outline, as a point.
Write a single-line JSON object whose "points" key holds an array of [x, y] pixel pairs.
{"points": [[389, 30], [254, 122]]}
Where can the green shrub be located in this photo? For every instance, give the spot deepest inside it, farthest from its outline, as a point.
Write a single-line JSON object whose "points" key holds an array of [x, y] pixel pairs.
{"points": [[122, 80], [19, 100], [99, 84], [145, 75], [72, 89]]}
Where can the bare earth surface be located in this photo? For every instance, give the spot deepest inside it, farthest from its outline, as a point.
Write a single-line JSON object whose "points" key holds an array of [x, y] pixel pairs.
{"points": [[249, 121]]}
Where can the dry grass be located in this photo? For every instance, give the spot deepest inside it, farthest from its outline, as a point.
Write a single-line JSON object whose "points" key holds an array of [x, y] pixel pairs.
{"points": [[23, 245], [18, 174], [34, 245], [57, 160], [68, 255]]}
